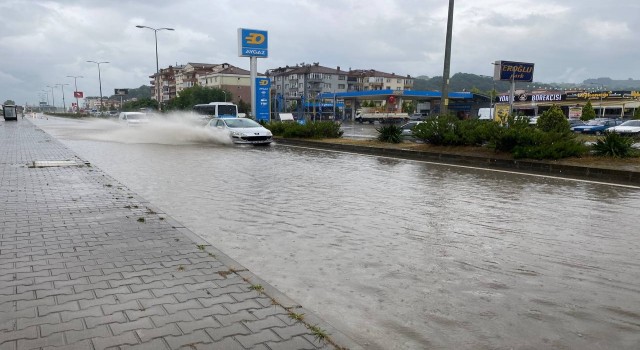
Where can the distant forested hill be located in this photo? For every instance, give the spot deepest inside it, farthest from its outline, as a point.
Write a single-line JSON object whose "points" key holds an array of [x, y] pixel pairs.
{"points": [[484, 84]]}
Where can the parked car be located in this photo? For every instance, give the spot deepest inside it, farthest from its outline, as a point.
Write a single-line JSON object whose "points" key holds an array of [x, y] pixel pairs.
{"points": [[596, 126], [241, 130], [575, 122], [407, 129], [630, 127], [133, 118]]}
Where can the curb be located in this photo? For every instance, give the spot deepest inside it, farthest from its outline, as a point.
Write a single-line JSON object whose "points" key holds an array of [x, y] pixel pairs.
{"points": [[623, 177]]}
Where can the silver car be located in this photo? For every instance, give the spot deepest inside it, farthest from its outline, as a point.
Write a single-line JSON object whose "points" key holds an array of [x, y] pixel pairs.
{"points": [[242, 130], [407, 129]]}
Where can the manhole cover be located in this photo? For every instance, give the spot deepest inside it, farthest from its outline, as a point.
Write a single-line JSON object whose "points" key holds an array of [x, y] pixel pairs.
{"points": [[53, 163]]}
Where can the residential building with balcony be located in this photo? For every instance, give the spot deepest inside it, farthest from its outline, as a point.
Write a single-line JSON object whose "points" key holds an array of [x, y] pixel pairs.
{"points": [[366, 80], [305, 82]]}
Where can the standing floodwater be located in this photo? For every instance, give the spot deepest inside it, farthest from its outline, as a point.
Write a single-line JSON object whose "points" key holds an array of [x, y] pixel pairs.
{"points": [[401, 254]]}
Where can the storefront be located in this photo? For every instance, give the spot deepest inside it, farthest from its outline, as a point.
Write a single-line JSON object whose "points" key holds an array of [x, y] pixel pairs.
{"points": [[611, 104]]}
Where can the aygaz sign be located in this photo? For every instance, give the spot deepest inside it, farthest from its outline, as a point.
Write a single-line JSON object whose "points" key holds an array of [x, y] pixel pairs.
{"points": [[252, 43]]}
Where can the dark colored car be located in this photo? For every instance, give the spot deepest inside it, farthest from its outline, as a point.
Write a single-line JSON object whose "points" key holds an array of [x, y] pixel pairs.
{"points": [[596, 126]]}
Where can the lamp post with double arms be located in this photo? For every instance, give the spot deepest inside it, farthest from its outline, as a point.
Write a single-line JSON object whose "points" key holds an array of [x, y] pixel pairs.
{"points": [[155, 34], [99, 79], [75, 92]]}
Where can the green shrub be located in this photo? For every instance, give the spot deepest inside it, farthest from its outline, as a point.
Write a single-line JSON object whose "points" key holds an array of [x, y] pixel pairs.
{"points": [[438, 131], [389, 133], [553, 120], [614, 145], [475, 132], [551, 146], [317, 130], [507, 139]]}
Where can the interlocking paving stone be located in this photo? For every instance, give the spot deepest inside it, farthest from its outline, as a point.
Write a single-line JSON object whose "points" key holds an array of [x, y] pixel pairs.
{"points": [[78, 271]]}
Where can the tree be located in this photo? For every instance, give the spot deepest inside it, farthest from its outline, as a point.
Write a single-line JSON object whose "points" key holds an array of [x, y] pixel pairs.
{"points": [[192, 96], [553, 120], [138, 104], [243, 107], [408, 107], [9, 102], [636, 113], [588, 112]]}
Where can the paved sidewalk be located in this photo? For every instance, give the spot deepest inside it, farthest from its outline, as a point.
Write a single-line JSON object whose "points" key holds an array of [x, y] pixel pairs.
{"points": [[87, 264]]}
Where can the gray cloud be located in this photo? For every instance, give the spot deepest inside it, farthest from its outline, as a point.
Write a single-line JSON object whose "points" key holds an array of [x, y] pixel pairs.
{"points": [[569, 40]]}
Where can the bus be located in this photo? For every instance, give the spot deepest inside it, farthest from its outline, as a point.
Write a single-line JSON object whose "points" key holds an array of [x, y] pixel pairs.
{"points": [[217, 110]]}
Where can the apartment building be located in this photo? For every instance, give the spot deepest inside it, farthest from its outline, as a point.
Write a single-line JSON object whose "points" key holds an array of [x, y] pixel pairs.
{"points": [[174, 79], [305, 82], [365, 80]]}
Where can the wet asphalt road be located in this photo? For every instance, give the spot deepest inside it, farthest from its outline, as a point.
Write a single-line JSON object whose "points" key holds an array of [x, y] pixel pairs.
{"points": [[395, 253]]}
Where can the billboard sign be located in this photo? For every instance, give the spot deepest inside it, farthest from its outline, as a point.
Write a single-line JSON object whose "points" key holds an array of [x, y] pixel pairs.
{"points": [[263, 86], [516, 71], [575, 112], [121, 92], [78, 94], [252, 43]]}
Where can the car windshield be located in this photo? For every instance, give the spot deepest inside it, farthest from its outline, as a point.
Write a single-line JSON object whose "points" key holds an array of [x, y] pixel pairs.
{"points": [[136, 116], [631, 123], [241, 123]]}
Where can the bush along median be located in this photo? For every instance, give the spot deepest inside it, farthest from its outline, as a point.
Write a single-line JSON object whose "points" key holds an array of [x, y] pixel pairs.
{"points": [[549, 138], [313, 130]]}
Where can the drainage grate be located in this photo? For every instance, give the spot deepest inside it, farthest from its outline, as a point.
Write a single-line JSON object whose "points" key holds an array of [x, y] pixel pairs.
{"points": [[53, 163]]}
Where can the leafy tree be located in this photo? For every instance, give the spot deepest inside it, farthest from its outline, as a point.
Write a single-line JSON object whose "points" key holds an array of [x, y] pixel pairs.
{"points": [[138, 104], [553, 120], [192, 96], [588, 112], [636, 113], [408, 107], [9, 102], [243, 107]]}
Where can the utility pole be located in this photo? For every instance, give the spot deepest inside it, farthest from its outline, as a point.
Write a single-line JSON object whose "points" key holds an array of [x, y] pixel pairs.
{"points": [[444, 98]]}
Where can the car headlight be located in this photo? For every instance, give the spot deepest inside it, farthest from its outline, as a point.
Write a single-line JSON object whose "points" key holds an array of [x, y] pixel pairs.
{"points": [[235, 133]]}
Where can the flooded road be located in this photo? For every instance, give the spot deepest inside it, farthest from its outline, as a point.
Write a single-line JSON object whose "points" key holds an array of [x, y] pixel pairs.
{"points": [[397, 254]]}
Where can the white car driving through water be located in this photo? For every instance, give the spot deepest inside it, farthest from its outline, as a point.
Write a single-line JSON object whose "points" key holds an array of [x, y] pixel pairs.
{"points": [[241, 130], [133, 118]]}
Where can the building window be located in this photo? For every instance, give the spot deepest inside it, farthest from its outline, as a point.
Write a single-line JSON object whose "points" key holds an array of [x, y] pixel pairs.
{"points": [[342, 77], [341, 86]]}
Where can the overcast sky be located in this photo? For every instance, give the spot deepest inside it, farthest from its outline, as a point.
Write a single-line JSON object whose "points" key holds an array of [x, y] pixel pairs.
{"points": [[42, 42]]}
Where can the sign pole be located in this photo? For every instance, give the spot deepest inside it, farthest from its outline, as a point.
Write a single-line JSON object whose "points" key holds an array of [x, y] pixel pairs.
{"points": [[253, 63], [513, 94]]}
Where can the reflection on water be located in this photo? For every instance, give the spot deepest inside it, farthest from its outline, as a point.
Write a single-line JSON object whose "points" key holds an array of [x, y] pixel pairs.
{"points": [[401, 254]]}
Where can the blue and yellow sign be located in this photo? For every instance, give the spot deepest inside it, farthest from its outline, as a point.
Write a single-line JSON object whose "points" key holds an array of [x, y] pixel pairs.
{"points": [[263, 86], [513, 71], [252, 43]]}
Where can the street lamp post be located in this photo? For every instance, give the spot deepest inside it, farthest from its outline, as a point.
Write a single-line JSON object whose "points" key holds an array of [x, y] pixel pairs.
{"points": [[225, 95], [99, 80], [155, 34], [75, 92], [53, 98], [47, 93], [64, 105]]}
